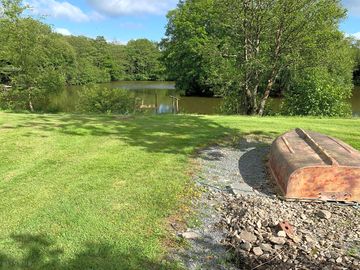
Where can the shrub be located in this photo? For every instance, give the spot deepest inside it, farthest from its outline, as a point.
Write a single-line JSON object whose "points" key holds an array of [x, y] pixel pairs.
{"points": [[318, 93], [105, 100], [15, 99]]}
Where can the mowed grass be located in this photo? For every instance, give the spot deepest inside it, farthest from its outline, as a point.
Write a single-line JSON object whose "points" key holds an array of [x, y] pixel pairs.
{"points": [[94, 192]]}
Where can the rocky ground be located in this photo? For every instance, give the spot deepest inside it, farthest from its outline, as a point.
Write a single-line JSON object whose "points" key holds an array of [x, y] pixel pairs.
{"points": [[242, 224], [268, 233]]}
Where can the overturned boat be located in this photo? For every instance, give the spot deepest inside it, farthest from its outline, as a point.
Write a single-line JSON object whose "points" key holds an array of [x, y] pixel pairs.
{"points": [[309, 165]]}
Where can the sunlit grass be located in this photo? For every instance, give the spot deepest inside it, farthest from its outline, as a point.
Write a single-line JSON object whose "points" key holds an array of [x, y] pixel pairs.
{"points": [[94, 192]]}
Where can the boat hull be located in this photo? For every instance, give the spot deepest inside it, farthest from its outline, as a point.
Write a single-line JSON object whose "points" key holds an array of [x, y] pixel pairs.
{"points": [[308, 165]]}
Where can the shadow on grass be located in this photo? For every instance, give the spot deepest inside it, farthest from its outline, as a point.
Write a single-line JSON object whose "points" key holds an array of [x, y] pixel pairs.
{"points": [[170, 134], [40, 253]]}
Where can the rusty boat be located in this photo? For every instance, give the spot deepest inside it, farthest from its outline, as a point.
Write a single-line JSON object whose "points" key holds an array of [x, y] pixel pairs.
{"points": [[312, 166]]}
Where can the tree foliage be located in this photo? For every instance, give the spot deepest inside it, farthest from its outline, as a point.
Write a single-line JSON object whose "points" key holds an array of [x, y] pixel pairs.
{"points": [[245, 50], [36, 62], [318, 93], [39, 59], [185, 46], [143, 58]]}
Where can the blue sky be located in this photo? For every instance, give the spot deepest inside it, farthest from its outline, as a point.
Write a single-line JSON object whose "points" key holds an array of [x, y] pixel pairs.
{"points": [[123, 20]]}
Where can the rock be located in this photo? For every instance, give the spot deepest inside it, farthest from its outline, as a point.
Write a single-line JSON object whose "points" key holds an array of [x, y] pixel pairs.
{"points": [[323, 214], [247, 236], [258, 251], [190, 235], [277, 240], [296, 239], [266, 247], [245, 246], [339, 260], [241, 188], [309, 239], [281, 234], [258, 224]]}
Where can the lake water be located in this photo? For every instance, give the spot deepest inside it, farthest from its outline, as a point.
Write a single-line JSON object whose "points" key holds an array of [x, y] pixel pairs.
{"points": [[160, 93]]}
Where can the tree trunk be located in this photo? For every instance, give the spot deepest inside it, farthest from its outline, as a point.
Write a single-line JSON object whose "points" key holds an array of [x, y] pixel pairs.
{"points": [[275, 69], [31, 107], [248, 93], [265, 97]]}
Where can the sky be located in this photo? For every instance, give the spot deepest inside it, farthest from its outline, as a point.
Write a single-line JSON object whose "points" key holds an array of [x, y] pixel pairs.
{"points": [[123, 20]]}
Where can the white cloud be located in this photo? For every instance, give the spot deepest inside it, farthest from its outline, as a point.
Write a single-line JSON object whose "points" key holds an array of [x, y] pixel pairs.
{"points": [[58, 9], [356, 35], [132, 7], [116, 41], [63, 31], [353, 6]]}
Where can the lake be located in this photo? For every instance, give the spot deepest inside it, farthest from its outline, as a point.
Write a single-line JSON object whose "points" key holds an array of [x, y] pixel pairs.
{"points": [[160, 93]]}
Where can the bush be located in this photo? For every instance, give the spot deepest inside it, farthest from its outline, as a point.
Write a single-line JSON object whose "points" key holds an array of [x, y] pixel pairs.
{"points": [[318, 93], [15, 99], [105, 100]]}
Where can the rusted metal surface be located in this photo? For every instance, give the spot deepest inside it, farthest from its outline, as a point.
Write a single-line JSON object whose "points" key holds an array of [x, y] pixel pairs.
{"points": [[309, 165]]}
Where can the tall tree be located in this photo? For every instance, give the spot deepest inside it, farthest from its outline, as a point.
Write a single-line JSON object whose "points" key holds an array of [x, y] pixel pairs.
{"points": [[188, 37], [144, 60], [252, 43], [38, 56]]}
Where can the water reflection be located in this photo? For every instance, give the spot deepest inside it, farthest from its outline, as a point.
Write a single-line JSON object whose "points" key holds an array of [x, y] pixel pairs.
{"points": [[153, 96], [355, 101], [157, 96]]}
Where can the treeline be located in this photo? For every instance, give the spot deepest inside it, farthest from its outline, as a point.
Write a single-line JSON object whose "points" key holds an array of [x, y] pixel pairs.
{"points": [[98, 61], [247, 51], [36, 62]]}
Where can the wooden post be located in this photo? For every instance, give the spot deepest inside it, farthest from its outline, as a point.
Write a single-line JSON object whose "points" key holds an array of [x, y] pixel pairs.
{"points": [[156, 104], [175, 104]]}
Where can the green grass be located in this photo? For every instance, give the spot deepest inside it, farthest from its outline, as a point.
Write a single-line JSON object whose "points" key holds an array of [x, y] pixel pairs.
{"points": [[94, 192]]}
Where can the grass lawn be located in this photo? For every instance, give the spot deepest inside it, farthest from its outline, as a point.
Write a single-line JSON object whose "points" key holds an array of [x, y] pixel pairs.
{"points": [[94, 192]]}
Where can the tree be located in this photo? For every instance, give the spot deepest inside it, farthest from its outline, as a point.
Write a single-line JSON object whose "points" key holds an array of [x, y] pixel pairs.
{"points": [[187, 40], [119, 58], [317, 92], [253, 43], [40, 59], [144, 60]]}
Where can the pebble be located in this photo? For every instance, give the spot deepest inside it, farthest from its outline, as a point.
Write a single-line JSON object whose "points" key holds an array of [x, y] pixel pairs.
{"points": [[246, 246], [266, 247], [258, 251], [247, 236], [281, 234], [323, 214], [277, 240], [190, 235]]}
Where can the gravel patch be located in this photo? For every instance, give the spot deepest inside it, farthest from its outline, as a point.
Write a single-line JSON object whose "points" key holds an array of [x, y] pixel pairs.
{"points": [[225, 170]]}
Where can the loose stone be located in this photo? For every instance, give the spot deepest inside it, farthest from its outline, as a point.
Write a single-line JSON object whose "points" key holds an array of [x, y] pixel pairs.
{"points": [[257, 251]]}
